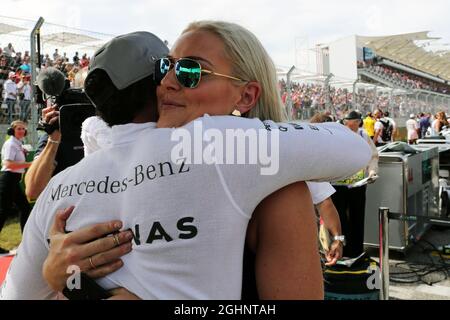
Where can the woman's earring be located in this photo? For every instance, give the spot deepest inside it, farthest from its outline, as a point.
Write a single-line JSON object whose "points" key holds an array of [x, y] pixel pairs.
{"points": [[236, 113]]}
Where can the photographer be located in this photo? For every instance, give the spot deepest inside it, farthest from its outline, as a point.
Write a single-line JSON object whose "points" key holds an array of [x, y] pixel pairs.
{"points": [[55, 152]]}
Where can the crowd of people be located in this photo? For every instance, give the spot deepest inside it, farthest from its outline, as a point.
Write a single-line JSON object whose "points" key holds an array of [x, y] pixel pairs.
{"points": [[421, 125], [408, 80], [309, 98], [15, 77]]}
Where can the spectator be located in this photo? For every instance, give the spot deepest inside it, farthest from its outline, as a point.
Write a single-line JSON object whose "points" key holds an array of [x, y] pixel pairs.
{"points": [[9, 50], [18, 60], [55, 55], [10, 88], [412, 128], [76, 59], [369, 125], [26, 100], [440, 123], [351, 202], [46, 60], [84, 61], [5, 69], [424, 124], [394, 125], [383, 129]]}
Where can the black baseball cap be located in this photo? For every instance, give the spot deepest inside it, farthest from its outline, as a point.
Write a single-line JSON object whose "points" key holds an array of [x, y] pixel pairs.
{"points": [[354, 115]]}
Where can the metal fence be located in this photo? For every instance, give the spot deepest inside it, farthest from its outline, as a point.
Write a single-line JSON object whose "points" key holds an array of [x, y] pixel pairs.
{"points": [[306, 97]]}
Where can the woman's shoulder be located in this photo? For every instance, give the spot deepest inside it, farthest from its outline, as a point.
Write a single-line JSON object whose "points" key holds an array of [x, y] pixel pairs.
{"points": [[11, 142]]}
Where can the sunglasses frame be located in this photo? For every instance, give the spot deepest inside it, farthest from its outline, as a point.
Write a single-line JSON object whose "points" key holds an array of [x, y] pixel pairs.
{"points": [[173, 63]]}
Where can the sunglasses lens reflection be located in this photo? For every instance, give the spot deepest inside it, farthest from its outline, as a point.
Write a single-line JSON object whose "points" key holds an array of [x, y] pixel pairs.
{"points": [[188, 72]]}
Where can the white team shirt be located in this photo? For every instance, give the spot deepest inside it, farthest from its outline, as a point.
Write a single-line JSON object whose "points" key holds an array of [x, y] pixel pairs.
{"points": [[96, 135], [189, 220], [12, 150]]}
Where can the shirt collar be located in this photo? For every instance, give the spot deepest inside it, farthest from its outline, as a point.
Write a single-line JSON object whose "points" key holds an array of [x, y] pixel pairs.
{"points": [[126, 133], [16, 141]]}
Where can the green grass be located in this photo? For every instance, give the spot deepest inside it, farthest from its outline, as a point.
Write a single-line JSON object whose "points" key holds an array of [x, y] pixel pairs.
{"points": [[10, 236]]}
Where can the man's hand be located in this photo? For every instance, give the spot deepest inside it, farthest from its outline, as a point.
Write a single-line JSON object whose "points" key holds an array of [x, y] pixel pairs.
{"points": [[335, 253], [50, 115], [373, 176]]}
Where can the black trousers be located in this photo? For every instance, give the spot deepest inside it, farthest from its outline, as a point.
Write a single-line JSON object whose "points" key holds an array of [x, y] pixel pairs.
{"points": [[11, 193], [351, 205]]}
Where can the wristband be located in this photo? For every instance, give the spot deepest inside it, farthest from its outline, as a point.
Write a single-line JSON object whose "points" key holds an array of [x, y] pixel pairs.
{"points": [[341, 239], [53, 141]]}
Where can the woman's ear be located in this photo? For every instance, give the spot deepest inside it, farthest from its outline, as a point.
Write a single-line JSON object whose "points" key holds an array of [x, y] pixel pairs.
{"points": [[249, 97]]}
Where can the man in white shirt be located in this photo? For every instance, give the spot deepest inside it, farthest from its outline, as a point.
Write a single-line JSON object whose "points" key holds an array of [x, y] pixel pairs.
{"points": [[384, 129], [9, 50], [10, 89]]}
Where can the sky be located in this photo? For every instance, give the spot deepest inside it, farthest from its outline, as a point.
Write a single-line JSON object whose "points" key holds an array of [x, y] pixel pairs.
{"points": [[287, 28]]}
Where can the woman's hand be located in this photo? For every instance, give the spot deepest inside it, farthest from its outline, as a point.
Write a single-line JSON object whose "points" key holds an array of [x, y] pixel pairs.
{"points": [[334, 254], [89, 248]]}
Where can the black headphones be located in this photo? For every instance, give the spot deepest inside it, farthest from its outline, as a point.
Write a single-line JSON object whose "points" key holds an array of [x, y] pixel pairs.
{"points": [[11, 132]]}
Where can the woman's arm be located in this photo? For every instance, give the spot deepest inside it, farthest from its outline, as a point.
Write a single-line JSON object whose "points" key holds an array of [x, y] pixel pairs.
{"points": [[283, 233], [14, 165]]}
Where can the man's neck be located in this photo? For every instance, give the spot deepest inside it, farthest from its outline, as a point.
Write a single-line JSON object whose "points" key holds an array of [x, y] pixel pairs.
{"points": [[146, 115]]}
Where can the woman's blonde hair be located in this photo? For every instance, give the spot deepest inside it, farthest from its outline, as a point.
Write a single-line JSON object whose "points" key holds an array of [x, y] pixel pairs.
{"points": [[250, 61]]}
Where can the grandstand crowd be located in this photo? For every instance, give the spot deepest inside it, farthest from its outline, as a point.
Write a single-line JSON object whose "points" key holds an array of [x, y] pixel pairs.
{"points": [[309, 98], [15, 77], [409, 81]]}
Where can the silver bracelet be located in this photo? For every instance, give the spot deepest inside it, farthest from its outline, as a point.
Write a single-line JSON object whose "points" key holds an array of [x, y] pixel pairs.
{"points": [[53, 141]]}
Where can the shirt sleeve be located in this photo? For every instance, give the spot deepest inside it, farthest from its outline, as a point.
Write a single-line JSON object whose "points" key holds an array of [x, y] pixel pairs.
{"points": [[378, 126], [284, 154], [24, 280], [9, 151], [320, 191]]}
